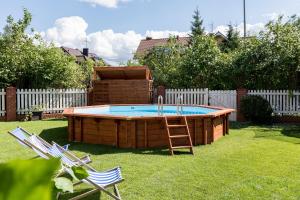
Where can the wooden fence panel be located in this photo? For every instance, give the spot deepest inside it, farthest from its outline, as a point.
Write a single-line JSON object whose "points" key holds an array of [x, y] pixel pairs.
{"points": [[52, 100], [283, 102], [190, 96], [224, 98]]}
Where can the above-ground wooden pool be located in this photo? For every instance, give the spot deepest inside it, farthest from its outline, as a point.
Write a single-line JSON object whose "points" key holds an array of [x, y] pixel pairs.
{"points": [[140, 126]]}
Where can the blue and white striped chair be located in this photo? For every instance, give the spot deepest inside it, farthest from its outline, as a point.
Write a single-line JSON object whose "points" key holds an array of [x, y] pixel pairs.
{"points": [[100, 180], [41, 147]]}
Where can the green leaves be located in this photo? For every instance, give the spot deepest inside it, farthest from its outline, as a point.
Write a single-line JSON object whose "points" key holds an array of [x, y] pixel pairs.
{"points": [[268, 61], [26, 61], [64, 184], [79, 172], [27, 180]]}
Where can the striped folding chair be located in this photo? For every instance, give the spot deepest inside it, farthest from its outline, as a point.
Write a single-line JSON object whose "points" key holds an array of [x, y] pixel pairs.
{"points": [[20, 135], [99, 180], [40, 146]]}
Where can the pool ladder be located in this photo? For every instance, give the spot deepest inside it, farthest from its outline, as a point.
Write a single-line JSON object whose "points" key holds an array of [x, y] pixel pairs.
{"points": [[179, 102], [160, 105]]}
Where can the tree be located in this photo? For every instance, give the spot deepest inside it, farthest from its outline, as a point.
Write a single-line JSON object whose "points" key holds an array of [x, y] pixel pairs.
{"points": [[232, 40], [199, 68], [270, 61], [26, 61], [164, 62], [197, 24]]}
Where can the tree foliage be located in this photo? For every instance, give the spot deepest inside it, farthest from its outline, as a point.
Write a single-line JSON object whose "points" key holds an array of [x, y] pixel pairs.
{"points": [[267, 61], [232, 40], [164, 62], [199, 67], [271, 60], [197, 24], [27, 179], [26, 61]]}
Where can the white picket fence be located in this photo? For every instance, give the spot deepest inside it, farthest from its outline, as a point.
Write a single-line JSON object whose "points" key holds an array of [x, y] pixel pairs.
{"points": [[2, 102], [282, 101], [190, 96], [220, 98], [52, 100], [224, 98], [56, 100]]}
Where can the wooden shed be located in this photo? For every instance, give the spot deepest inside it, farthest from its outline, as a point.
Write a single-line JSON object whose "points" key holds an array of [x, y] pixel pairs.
{"points": [[121, 85]]}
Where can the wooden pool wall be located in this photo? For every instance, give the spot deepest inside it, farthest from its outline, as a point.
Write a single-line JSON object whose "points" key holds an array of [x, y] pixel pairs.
{"points": [[143, 132]]}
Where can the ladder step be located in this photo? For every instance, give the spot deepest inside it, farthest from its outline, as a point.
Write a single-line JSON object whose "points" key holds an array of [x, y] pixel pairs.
{"points": [[179, 136], [181, 147], [177, 126]]}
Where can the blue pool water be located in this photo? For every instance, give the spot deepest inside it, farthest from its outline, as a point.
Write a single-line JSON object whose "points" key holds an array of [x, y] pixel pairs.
{"points": [[142, 110]]}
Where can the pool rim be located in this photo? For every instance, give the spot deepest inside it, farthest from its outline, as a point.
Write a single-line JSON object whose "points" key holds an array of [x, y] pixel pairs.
{"points": [[69, 112]]}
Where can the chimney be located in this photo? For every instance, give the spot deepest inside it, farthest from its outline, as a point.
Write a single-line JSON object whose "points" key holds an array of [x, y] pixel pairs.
{"points": [[85, 51], [148, 38]]}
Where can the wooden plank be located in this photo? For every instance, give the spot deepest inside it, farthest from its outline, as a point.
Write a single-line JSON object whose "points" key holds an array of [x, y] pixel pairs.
{"points": [[117, 133], [81, 130], [146, 134], [204, 131]]}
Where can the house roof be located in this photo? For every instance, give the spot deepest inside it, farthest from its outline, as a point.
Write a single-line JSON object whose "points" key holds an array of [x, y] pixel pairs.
{"points": [[148, 43], [78, 54], [71, 51], [219, 34]]}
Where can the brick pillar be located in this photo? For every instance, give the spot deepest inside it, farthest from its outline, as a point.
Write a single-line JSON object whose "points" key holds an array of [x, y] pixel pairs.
{"points": [[11, 104], [161, 90], [90, 96], [240, 93]]}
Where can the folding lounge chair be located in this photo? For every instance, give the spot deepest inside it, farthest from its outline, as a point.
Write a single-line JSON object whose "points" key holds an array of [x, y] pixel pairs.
{"points": [[100, 180], [37, 144], [21, 135]]}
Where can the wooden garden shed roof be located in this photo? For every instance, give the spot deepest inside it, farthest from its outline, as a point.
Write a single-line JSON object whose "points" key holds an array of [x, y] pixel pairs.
{"points": [[124, 73]]}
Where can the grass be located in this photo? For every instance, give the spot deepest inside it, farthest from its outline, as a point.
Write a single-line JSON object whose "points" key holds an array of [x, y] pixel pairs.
{"points": [[253, 162]]}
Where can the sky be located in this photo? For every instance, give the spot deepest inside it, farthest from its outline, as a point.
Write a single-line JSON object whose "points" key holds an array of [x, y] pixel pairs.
{"points": [[114, 28]]}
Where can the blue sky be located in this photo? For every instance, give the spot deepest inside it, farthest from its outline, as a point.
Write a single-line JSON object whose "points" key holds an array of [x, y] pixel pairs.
{"points": [[118, 25]]}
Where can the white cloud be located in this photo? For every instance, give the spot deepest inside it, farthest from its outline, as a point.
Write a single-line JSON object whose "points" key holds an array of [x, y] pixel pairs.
{"points": [[104, 3], [165, 34], [272, 16], [114, 47], [111, 46], [67, 31], [252, 29]]}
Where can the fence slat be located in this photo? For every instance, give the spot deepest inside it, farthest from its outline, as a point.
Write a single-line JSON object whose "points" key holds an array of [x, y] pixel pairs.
{"points": [[52, 100], [283, 102]]}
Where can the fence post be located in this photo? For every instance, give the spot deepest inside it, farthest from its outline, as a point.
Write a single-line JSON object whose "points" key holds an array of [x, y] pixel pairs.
{"points": [[11, 104], [240, 93], [89, 96], [161, 90]]}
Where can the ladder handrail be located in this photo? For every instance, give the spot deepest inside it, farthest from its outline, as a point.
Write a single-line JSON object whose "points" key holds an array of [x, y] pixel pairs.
{"points": [[160, 105], [179, 102]]}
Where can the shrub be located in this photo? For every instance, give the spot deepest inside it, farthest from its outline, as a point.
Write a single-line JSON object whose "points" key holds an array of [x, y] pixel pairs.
{"points": [[256, 109]]}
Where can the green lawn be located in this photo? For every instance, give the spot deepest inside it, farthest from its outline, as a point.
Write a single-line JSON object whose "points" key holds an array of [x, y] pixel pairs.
{"points": [[251, 163]]}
